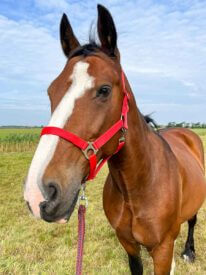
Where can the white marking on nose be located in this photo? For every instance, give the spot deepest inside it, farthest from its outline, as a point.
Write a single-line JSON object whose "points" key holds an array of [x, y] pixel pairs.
{"points": [[81, 82]]}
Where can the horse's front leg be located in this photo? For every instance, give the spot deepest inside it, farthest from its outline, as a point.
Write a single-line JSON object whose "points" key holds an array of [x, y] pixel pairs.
{"points": [[133, 251], [163, 257]]}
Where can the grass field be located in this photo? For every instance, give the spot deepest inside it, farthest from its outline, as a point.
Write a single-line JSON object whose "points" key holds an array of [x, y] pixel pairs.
{"points": [[18, 140], [29, 246]]}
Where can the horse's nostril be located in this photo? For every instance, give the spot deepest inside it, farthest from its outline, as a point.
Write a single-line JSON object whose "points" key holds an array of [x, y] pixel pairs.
{"points": [[53, 191], [49, 207], [43, 206]]}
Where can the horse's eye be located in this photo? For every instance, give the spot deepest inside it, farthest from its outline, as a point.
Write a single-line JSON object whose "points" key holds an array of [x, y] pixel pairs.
{"points": [[104, 91]]}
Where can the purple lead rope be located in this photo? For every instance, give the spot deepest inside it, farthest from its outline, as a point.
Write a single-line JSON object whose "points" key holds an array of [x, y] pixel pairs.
{"points": [[81, 234]]}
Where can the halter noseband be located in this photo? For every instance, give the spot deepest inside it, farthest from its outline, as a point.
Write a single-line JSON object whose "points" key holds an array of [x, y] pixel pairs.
{"points": [[94, 146]]}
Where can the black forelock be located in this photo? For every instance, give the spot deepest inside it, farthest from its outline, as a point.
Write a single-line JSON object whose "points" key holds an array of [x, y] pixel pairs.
{"points": [[85, 50], [89, 49]]}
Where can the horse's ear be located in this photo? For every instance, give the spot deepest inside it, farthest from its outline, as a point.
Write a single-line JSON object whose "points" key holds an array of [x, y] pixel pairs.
{"points": [[107, 31], [68, 40]]}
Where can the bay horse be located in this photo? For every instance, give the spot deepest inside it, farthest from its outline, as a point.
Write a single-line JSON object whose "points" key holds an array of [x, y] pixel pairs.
{"points": [[156, 180]]}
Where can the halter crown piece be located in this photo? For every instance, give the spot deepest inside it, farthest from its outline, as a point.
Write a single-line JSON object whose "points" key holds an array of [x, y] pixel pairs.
{"points": [[90, 149]]}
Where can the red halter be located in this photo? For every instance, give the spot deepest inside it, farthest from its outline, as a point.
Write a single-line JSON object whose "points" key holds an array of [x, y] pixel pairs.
{"points": [[94, 146]]}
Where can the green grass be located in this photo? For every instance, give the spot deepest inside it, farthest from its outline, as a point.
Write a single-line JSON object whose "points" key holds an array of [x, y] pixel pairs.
{"points": [[200, 132], [29, 246], [10, 131], [18, 140]]}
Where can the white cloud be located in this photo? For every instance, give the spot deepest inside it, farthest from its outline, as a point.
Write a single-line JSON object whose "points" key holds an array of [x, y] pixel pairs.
{"points": [[52, 4], [27, 51], [30, 59]]}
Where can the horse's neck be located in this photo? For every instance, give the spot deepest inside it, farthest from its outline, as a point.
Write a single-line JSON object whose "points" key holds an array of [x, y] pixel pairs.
{"points": [[131, 167]]}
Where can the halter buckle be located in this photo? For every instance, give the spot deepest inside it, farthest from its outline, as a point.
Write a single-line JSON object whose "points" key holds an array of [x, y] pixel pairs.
{"points": [[90, 147]]}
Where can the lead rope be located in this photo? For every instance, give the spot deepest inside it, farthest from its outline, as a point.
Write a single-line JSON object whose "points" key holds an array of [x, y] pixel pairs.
{"points": [[81, 230]]}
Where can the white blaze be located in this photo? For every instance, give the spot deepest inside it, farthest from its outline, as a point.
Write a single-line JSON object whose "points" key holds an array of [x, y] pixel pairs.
{"points": [[81, 81]]}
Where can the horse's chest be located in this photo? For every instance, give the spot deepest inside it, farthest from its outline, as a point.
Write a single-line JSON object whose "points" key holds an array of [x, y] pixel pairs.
{"points": [[127, 222], [131, 228], [117, 211], [119, 215], [145, 233]]}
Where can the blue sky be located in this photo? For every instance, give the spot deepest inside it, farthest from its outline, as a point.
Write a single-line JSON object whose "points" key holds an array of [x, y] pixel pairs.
{"points": [[162, 45]]}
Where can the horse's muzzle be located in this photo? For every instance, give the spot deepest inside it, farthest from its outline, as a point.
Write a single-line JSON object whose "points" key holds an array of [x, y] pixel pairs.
{"points": [[56, 210]]}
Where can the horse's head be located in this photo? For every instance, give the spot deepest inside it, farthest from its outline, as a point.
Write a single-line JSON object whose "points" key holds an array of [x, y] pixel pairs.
{"points": [[86, 99]]}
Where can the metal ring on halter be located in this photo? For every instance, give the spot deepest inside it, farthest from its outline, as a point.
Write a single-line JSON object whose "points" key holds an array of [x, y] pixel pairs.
{"points": [[123, 129], [122, 139], [90, 147], [82, 199]]}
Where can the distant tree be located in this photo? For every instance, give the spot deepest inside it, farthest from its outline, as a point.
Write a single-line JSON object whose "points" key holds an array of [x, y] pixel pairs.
{"points": [[171, 124], [186, 124], [181, 124]]}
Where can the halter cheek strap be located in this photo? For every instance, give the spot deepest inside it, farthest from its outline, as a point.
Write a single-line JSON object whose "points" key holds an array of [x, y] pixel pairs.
{"points": [[90, 149]]}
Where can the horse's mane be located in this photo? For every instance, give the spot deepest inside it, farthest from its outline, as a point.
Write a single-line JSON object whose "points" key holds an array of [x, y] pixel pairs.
{"points": [[151, 121]]}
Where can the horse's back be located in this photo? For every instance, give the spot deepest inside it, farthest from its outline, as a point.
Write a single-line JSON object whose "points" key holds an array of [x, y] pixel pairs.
{"points": [[188, 149], [188, 139]]}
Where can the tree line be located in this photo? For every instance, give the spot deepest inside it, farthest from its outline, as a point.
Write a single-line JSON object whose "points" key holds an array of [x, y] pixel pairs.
{"points": [[186, 124]]}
